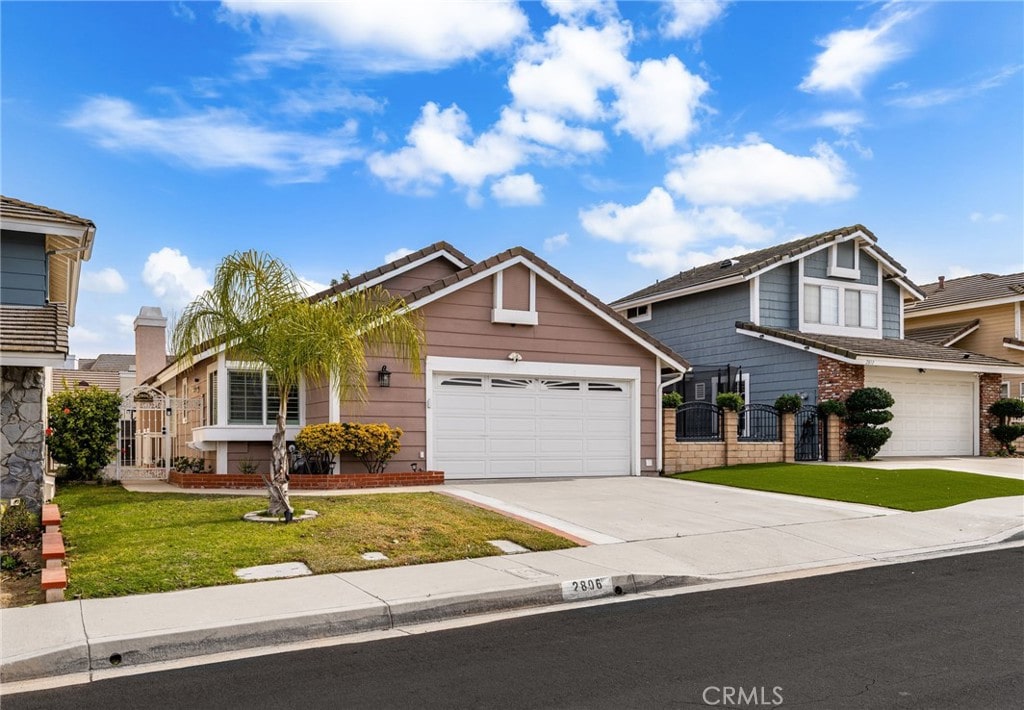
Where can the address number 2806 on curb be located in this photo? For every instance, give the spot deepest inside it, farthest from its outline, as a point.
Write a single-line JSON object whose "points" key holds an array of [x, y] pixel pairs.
{"points": [[588, 588]]}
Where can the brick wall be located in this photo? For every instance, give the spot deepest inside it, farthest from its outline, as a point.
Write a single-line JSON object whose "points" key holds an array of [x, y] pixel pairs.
{"points": [[988, 392], [343, 481], [837, 380], [684, 456]]}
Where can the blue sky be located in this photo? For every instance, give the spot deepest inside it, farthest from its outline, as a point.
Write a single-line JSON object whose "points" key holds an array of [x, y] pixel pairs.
{"points": [[621, 143]]}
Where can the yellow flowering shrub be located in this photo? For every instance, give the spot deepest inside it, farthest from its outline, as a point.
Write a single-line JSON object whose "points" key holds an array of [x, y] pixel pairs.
{"points": [[318, 444], [373, 444]]}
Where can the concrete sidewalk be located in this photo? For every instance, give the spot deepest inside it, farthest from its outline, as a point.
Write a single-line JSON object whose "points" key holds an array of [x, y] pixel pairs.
{"points": [[742, 539]]}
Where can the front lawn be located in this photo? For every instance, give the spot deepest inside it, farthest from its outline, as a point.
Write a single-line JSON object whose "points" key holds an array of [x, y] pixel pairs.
{"points": [[120, 542], [908, 489]]}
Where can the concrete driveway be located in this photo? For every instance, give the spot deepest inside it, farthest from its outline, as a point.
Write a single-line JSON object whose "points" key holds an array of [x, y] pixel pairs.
{"points": [[628, 509], [986, 465]]}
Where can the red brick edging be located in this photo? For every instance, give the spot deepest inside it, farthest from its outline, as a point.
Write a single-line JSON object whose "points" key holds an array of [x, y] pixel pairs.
{"points": [[309, 482], [54, 575]]}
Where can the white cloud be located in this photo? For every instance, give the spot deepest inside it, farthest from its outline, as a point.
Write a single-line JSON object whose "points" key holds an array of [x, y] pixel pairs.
{"points": [[172, 278], [215, 138], [564, 74], [311, 286], [107, 280], [397, 254], [661, 232], [938, 97], [688, 18], [518, 190], [758, 173], [559, 241], [979, 217], [658, 103], [327, 99], [183, 12], [852, 57], [576, 11], [550, 131], [393, 35], [125, 323], [842, 122], [440, 145]]}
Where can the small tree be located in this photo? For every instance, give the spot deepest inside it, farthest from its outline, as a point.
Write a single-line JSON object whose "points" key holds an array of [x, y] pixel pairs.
{"points": [[867, 409], [1006, 432], [81, 430]]}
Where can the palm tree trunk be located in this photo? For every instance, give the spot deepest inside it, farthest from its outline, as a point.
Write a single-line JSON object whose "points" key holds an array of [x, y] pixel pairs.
{"points": [[277, 484]]}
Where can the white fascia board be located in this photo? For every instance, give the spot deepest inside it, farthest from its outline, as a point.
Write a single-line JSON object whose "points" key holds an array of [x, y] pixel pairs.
{"points": [[690, 290], [923, 310], [408, 267], [57, 229], [558, 285], [963, 335], [1013, 346], [16, 359]]}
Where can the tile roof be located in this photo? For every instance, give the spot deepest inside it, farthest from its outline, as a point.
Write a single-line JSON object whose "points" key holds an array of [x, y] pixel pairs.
{"points": [[859, 348], [968, 290], [944, 335], [34, 329], [12, 208], [384, 269], [109, 362], [504, 256], [109, 381], [745, 265]]}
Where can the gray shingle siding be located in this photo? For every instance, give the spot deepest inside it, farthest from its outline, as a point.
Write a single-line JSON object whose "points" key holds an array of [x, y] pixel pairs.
{"points": [[816, 264], [891, 298], [777, 297], [868, 270], [22, 268], [702, 327]]}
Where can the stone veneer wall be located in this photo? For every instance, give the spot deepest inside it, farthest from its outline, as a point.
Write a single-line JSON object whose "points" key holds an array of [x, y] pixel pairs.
{"points": [[21, 435]]}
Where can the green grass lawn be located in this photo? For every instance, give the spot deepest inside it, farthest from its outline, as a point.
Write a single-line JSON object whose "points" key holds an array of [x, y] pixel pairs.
{"points": [[132, 543], [908, 489]]}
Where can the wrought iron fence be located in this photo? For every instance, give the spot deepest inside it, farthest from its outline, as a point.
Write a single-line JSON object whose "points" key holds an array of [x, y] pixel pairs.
{"points": [[699, 421], [759, 422]]}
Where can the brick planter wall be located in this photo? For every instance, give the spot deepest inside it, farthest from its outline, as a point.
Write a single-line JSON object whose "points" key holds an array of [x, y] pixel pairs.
{"points": [[837, 380], [308, 482]]}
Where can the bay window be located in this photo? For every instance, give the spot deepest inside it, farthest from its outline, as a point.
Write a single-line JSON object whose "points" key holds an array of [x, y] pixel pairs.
{"points": [[253, 398]]}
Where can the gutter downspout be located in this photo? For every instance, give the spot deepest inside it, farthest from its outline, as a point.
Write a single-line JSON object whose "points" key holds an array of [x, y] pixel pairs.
{"points": [[661, 419]]}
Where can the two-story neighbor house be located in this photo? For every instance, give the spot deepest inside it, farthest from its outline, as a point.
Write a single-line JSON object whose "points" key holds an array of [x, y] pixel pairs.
{"points": [[41, 252], [525, 374], [821, 316], [980, 313]]}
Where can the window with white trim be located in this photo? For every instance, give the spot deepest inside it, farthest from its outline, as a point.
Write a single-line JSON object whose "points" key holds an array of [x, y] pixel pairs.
{"points": [[253, 398], [639, 314], [844, 260], [1004, 390], [839, 307]]}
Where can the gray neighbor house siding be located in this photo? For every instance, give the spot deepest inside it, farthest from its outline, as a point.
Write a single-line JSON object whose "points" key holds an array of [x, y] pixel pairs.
{"points": [[703, 326], [22, 269]]}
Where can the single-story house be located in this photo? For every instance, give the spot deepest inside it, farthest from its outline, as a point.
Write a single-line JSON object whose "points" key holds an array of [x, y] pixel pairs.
{"points": [[41, 253], [525, 375], [821, 317]]}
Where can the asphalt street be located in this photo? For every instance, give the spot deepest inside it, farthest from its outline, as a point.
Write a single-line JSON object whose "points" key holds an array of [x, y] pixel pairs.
{"points": [[942, 633]]}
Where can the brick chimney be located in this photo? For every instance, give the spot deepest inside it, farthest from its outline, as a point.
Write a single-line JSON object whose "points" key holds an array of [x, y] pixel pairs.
{"points": [[942, 283], [150, 343]]}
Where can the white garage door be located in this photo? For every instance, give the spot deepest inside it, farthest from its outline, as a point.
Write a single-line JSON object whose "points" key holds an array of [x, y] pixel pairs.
{"points": [[487, 426], [934, 413]]}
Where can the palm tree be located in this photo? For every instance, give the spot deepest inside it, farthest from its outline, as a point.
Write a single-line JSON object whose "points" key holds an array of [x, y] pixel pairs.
{"points": [[257, 311]]}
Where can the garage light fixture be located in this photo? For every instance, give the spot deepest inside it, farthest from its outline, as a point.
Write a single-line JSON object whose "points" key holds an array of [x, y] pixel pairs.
{"points": [[384, 377], [515, 357]]}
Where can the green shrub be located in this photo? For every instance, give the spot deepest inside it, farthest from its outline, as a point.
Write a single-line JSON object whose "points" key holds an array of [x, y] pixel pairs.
{"points": [[373, 444], [671, 400], [789, 403], [18, 522], [831, 407], [82, 430], [1005, 432], [866, 411], [730, 400], [184, 464], [320, 444]]}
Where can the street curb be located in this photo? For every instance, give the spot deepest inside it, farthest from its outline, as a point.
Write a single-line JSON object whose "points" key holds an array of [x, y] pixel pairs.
{"points": [[174, 644]]}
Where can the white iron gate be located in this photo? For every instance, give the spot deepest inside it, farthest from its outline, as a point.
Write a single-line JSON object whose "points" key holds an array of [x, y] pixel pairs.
{"points": [[147, 445]]}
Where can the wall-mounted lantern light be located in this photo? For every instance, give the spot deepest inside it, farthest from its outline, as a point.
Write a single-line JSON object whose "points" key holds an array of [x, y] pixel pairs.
{"points": [[384, 377]]}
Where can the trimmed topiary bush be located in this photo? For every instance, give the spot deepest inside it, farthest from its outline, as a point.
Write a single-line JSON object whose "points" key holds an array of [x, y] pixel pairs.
{"points": [[731, 401], [373, 444], [867, 409], [671, 400], [789, 403], [1005, 432], [831, 408]]}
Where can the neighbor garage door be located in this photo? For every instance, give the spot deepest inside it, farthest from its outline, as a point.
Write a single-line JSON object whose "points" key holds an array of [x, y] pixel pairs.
{"points": [[500, 427], [934, 413]]}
